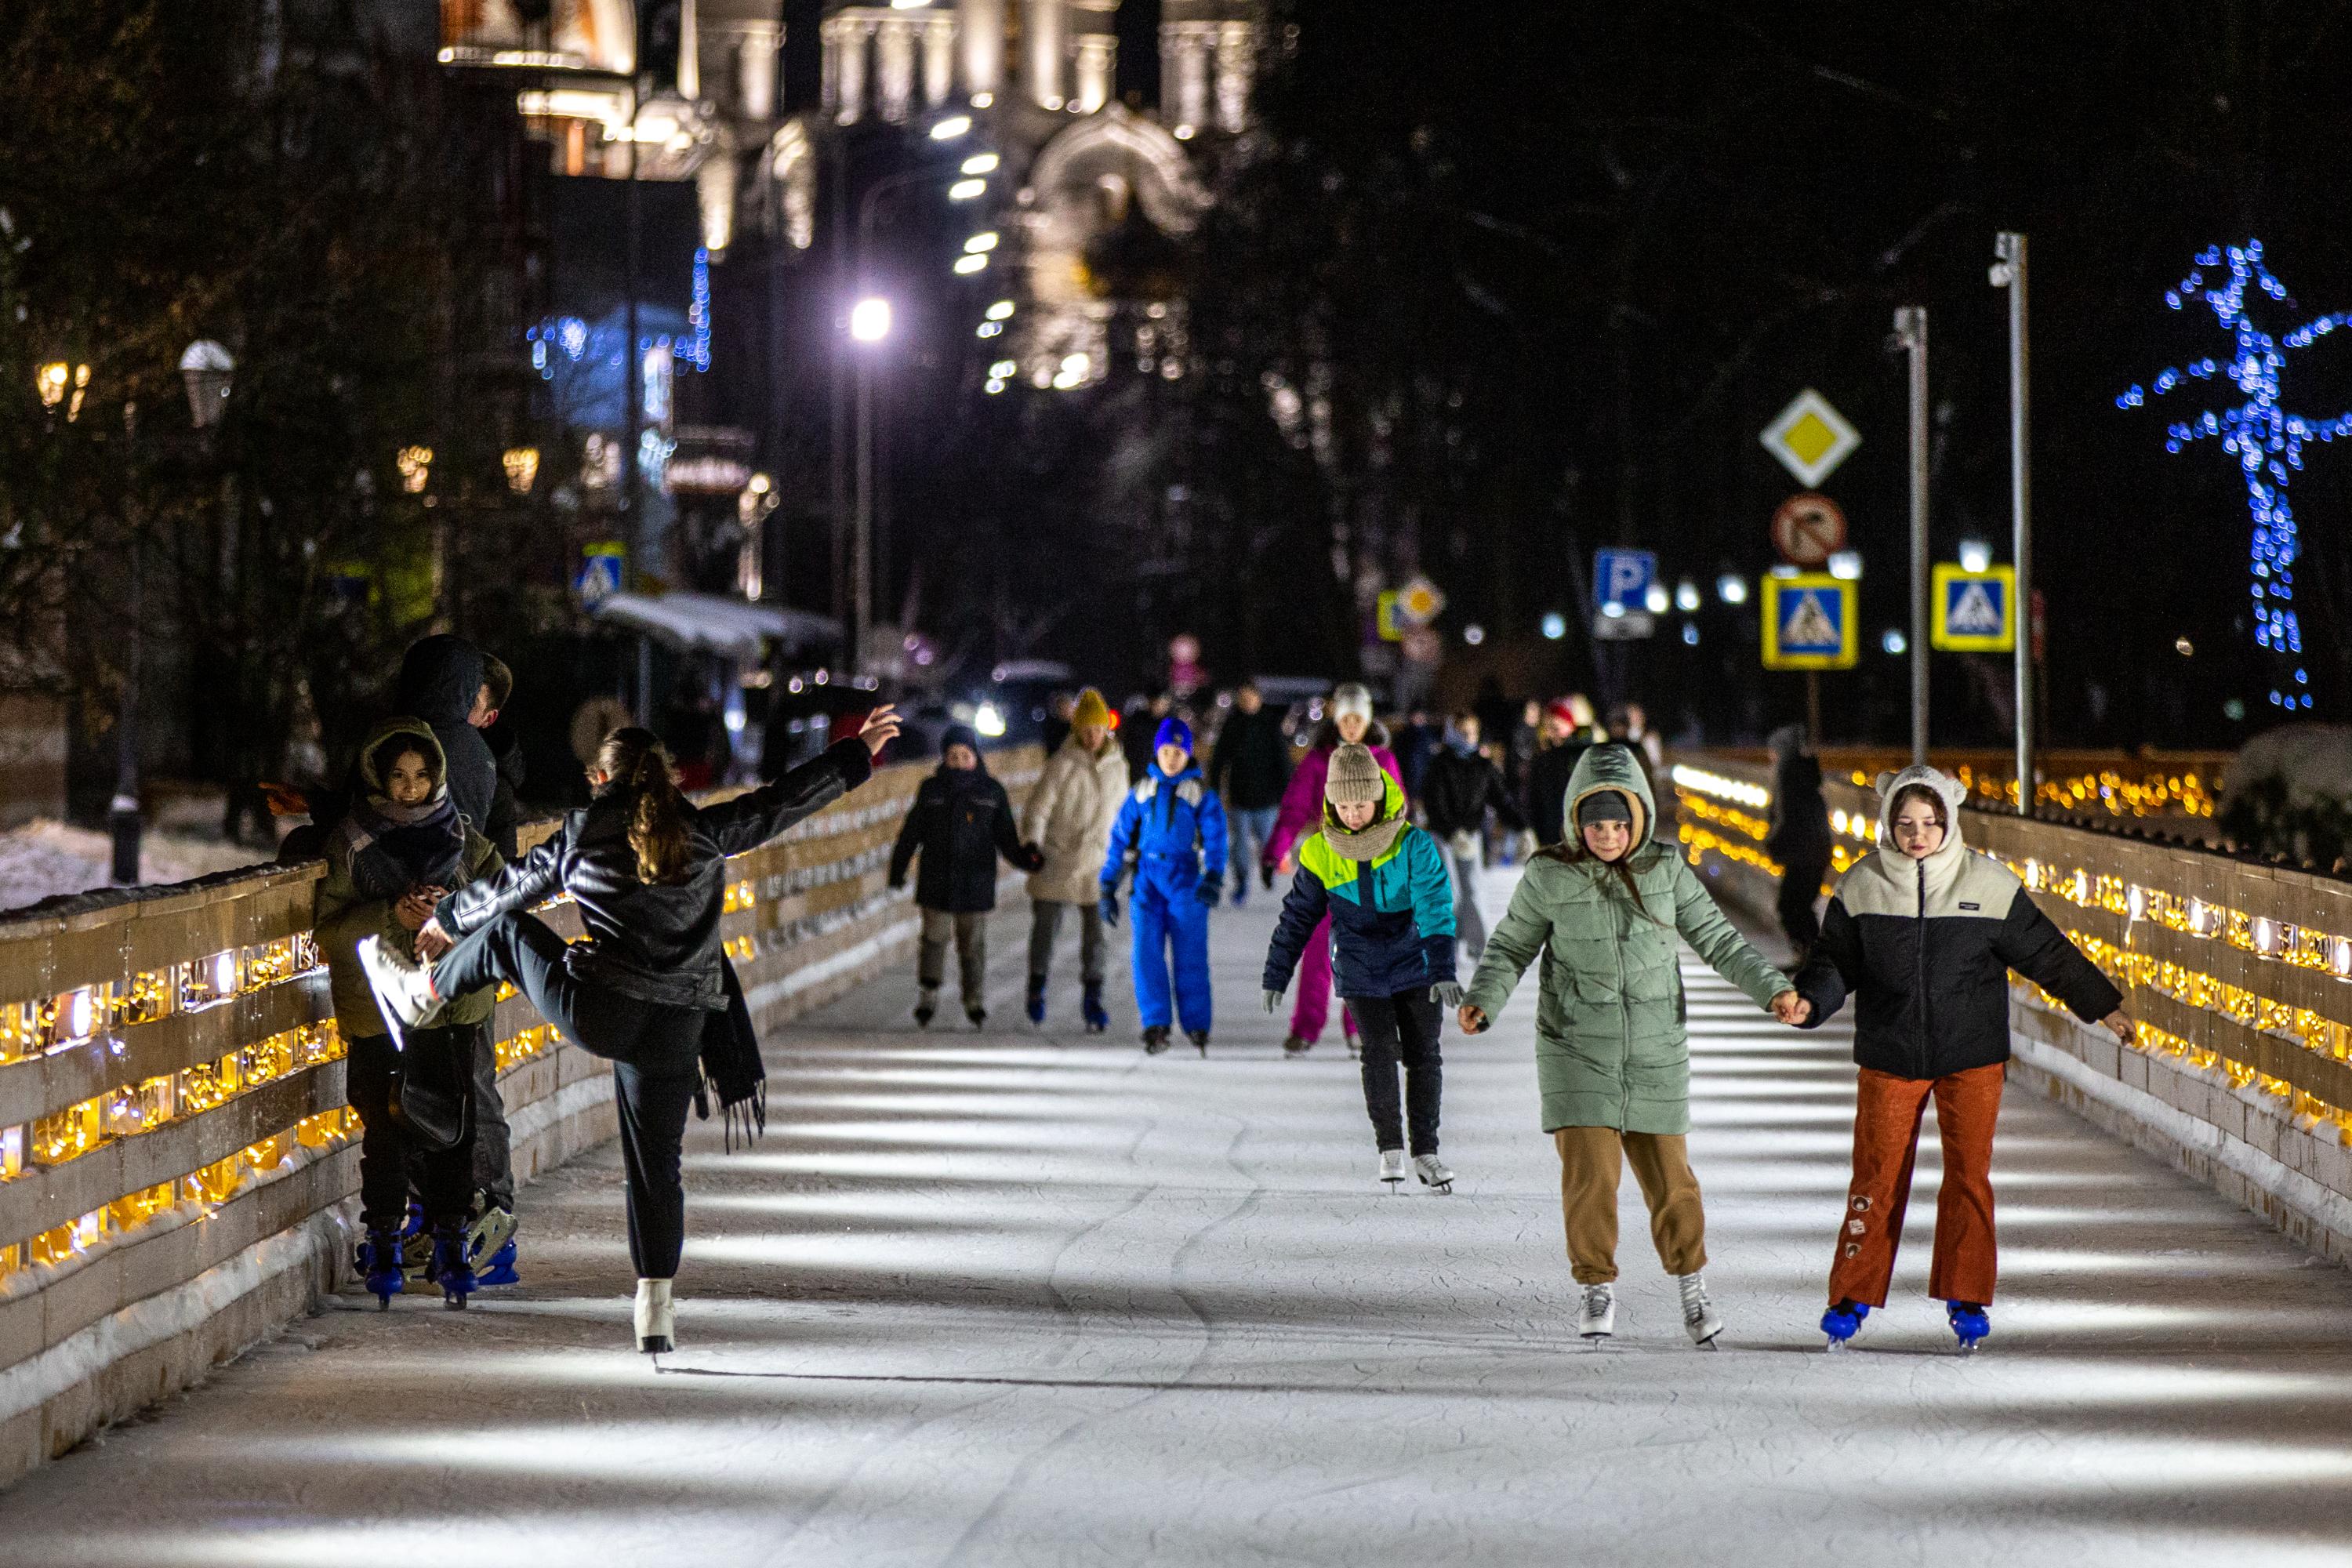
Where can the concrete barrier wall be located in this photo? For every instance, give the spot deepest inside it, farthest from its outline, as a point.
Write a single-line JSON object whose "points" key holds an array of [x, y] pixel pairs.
{"points": [[177, 1158], [2238, 973]]}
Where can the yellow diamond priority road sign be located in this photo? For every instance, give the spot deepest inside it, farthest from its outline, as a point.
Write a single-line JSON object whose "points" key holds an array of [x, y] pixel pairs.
{"points": [[1810, 438]]}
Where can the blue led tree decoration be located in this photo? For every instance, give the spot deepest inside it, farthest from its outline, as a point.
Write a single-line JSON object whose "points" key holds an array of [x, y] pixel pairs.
{"points": [[2259, 433]]}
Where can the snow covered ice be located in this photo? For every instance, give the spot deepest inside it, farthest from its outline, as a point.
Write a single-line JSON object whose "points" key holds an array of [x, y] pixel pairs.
{"points": [[1020, 1297]]}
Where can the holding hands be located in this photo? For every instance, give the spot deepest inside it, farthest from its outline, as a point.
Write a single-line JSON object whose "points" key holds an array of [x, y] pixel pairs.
{"points": [[1472, 1019], [1792, 1009]]}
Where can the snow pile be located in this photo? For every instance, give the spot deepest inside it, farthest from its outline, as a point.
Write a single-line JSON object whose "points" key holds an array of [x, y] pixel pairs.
{"points": [[44, 858]]}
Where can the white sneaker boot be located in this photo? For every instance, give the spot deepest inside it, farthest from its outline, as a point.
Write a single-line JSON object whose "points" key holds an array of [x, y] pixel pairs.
{"points": [[1598, 1319], [1434, 1173], [1699, 1320], [1393, 1167], [404, 992], [657, 1333]]}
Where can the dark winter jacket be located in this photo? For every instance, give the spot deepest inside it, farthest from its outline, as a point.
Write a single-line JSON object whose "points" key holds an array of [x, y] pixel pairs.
{"points": [[1548, 777], [658, 944], [1926, 947], [506, 800], [1457, 791], [1392, 916], [1136, 729], [960, 822], [440, 677], [1800, 818], [1252, 763]]}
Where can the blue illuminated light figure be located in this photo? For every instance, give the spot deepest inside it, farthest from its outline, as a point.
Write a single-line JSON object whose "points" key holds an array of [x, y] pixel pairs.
{"points": [[2259, 433]]}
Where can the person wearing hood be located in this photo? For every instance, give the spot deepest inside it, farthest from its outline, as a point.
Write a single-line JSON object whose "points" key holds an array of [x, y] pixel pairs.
{"points": [[398, 850], [1378, 884], [650, 989], [1171, 830], [1800, 836], [444, 680], [1458, 790], [962, 820], [1350, 722], [1607, 914], [1068, 817], [1922, 933]]}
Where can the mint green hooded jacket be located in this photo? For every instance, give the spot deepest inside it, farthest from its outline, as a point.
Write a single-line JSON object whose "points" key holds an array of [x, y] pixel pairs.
{"points": [[1610, 1047]]}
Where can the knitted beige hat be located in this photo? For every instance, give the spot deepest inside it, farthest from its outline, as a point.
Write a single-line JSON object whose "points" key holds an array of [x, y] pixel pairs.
{"points": [[1355, 778]]}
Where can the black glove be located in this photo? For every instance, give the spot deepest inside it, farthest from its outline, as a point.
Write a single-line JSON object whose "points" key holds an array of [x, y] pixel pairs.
{"points": [[1032, 857], [1107, 906], [1212, 889]]}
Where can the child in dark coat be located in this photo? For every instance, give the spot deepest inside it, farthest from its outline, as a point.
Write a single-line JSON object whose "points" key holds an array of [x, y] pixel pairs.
{"points": [[960, 822]]}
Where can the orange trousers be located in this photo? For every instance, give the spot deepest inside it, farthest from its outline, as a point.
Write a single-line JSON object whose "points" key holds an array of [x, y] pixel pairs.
{"points": [[1886, 1115]]}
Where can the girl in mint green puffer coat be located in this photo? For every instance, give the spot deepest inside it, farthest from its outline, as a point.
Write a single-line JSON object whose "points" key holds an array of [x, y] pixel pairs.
{"points": [[1606, 912]]}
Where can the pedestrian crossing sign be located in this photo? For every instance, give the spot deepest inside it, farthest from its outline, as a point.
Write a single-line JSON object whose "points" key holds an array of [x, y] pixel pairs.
{"points": [[1808, 622], [1975, 612]]}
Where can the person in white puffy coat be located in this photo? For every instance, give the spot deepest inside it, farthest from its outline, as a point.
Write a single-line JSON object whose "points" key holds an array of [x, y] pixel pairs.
{"points": [[1069, 816]]}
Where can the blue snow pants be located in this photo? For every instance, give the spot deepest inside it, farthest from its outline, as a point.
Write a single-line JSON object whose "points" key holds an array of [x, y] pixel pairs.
{"points": [[1168, 914]]}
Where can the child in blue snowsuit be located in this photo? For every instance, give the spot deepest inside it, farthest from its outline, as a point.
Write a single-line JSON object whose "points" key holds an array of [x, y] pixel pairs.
{"points": [[1383, 883], [1175, 827]]}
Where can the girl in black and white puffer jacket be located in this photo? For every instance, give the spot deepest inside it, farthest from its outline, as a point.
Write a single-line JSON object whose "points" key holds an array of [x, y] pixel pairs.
{"points": [[1923, 933]]}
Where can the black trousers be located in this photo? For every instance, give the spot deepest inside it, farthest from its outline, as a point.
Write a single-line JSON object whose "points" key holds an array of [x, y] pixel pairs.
{"points": [[389, 1157], [493, 1143], [655, 1052], [1401, 1028], [1800, 884]]}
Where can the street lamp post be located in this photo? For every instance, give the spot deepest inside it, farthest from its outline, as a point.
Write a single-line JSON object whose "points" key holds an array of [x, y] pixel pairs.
{"points": [[869, 327], [1911, 336], [2008, 272]]}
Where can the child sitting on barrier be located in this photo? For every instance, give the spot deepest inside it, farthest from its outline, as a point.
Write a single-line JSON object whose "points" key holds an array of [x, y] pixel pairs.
{"points": [[399, 850]]}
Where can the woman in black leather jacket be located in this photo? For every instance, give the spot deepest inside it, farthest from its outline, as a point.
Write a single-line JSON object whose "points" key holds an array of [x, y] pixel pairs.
{"points": [[648, 872]]}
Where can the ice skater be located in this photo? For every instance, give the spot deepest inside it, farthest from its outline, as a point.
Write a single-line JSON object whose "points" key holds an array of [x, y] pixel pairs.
{"points": [[1068, 817], [1613, 1059], [1172, 829], [962, 820], [1378, 884], [398, 850], [1923, 932], [1350, 722], [646, 870]]}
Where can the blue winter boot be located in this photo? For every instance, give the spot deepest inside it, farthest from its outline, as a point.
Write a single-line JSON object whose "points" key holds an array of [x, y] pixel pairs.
{"points": [[1969, 1322], [1841, 1320], [1091, 1008], [1038, 1000]]}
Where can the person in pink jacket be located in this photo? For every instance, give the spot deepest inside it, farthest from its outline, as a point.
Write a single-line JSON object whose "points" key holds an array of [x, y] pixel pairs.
{"points": [[1350, 721]]}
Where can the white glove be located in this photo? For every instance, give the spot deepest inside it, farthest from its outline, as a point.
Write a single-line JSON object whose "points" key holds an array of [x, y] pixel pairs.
{"points": [[1446, 994], [1273, 1001]]}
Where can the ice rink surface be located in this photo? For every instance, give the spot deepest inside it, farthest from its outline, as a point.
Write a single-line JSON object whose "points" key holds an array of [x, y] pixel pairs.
{"points": [[1022, 1297]]}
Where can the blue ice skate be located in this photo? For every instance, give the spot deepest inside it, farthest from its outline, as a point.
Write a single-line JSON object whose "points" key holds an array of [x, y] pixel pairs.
{"points": [[1969, 1324], [1841, 1320], [379, 1265]]}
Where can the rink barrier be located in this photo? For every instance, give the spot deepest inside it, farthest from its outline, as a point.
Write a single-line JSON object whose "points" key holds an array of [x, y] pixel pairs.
{"points": [[2238, 971], [178, 1160]]}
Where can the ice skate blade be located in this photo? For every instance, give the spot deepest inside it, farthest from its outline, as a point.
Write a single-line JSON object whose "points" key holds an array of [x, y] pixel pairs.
{"points": [[1968, 1347], [1710, 1342], [1594, 1341], [1838, 1347], [1439, 1188]]}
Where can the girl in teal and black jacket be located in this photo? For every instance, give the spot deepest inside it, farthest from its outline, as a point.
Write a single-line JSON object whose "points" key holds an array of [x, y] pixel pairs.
{"points": [[1384, 884]]}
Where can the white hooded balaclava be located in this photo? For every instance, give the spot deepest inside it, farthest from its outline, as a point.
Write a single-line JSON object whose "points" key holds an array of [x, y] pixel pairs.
{"points": [[1943, 864]]}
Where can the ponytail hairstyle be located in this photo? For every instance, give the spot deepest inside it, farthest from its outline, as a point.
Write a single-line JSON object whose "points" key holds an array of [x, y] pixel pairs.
{"points": [[637, 763]]}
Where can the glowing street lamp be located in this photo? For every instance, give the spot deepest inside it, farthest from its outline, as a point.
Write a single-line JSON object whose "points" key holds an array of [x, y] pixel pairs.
{"points": [[981, 163], [965, 190], [953, 126], [869, 319]]}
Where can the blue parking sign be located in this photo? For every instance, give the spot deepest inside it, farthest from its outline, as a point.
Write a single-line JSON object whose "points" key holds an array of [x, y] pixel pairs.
{"points": [[1622, 577]]}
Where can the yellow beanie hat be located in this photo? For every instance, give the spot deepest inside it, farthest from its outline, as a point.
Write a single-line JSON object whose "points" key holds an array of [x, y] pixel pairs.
{"points": [[1091, 710]]}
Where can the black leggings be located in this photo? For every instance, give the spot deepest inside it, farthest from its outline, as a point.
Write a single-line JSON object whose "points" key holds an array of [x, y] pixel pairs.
{"points": [[1403, 1027], [445, 1177], [655, 1049]]}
